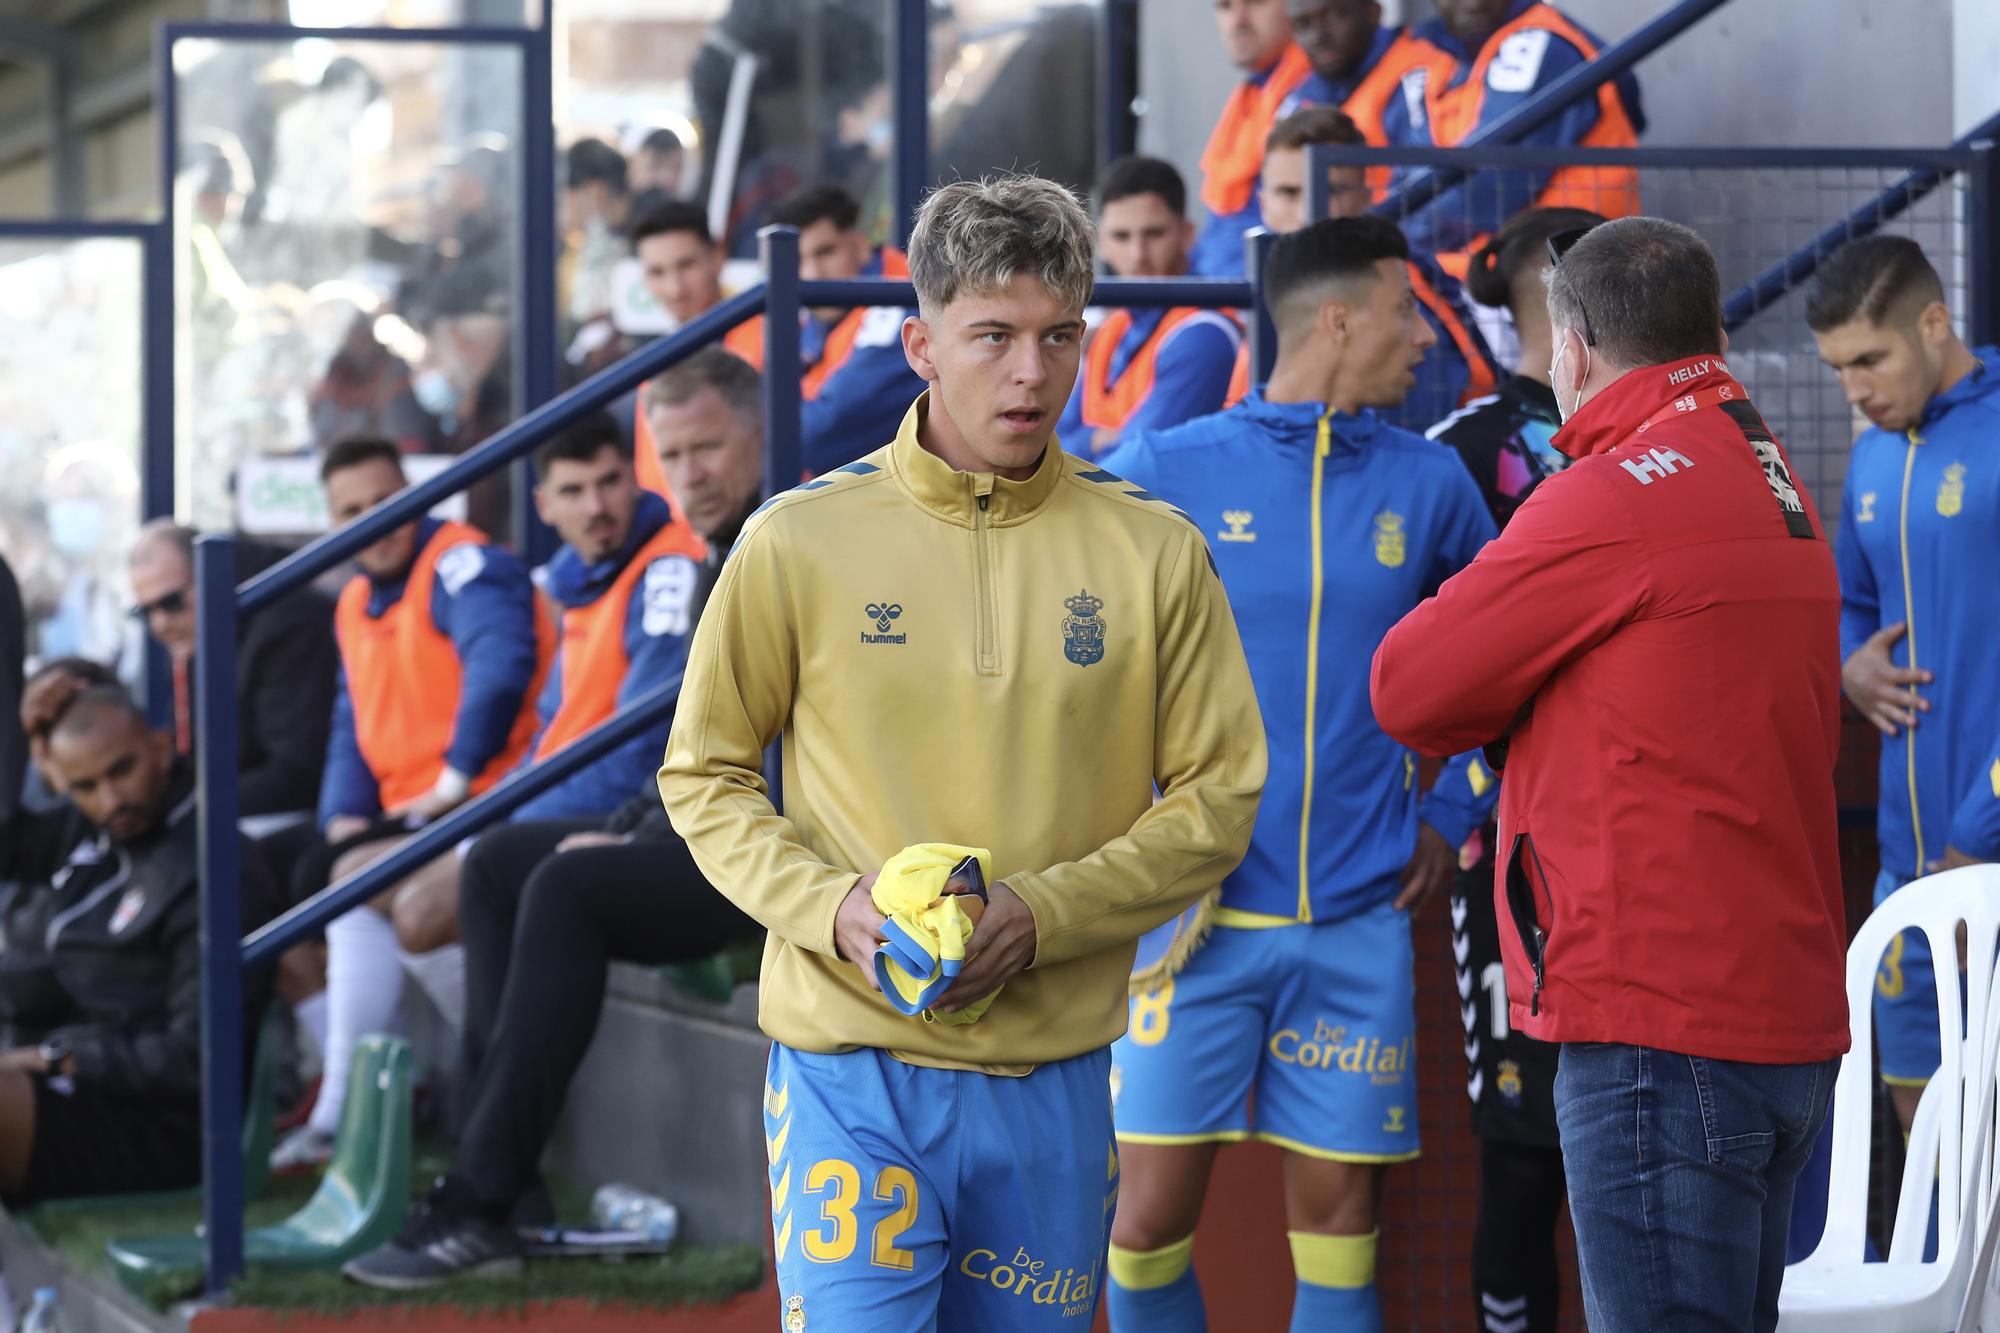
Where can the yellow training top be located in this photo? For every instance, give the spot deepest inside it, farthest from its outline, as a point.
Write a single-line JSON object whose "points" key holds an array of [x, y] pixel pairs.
{"points": [[953, 657]]}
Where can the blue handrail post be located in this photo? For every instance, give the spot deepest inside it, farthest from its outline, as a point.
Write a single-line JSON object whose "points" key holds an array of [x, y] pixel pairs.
{"points": [[221, 913], [535, 248], [156, 475], [1114, 81], [1257, 243], [1319, 190], [1982, 222], [783, 452], [912, 70]]}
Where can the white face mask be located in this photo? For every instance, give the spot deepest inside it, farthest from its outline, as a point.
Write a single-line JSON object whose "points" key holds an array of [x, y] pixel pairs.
{"points": [[1555, 377]]}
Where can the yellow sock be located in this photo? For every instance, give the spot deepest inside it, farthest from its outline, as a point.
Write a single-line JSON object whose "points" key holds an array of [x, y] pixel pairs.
{"points": [[1145, 1270], [1333, 1261]]}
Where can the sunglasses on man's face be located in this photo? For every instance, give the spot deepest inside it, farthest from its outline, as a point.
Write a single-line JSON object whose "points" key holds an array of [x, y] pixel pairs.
{"points": [[1561, 244], [167, 604]]}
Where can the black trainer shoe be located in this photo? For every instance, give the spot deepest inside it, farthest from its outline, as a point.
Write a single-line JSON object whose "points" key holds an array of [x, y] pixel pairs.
{"points": [[443, 1239]]}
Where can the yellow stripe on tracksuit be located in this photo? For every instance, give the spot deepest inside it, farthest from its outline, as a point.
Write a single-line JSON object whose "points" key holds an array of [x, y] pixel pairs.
{"points": [[1321, 449], [1910, 622]]}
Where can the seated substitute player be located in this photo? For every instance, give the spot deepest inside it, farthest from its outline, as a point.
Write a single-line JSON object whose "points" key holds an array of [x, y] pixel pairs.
{"points": [[100, 990], [1919, 626], [1458, 366], [1147, 369], [1328, 526], [1073, 651], [856, 379]]}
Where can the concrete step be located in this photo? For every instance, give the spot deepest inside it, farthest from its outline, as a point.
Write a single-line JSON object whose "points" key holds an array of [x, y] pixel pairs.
{"points": [[670, 1099], [89, 1304]]}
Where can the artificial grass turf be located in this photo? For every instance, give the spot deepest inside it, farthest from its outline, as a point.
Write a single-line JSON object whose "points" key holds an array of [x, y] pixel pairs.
{"points": [[79, 1234]]}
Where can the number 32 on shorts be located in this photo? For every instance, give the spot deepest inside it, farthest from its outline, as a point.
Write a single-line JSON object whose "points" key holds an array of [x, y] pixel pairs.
{"points": [[838, 1185]]}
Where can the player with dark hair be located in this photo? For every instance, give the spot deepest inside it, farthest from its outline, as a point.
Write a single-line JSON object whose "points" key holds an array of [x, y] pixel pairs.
{"points": [[682, 268], [856, 382], [100, 1061], [1283, 1009], [1457, 366], [946, 1160], [1258, 40], [1147, 369], [1919, 627]]}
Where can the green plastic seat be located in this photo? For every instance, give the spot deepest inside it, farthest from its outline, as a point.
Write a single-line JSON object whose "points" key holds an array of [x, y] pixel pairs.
{"points": [[260, 1113], [360, 1204], [713, 978]]}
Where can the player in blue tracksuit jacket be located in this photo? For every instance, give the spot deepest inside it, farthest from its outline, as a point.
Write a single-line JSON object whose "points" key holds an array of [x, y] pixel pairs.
{"points": [[1293, 1022], [1918, 551], [1500, 61], [658, 622], [856, 383], [483, 602]]}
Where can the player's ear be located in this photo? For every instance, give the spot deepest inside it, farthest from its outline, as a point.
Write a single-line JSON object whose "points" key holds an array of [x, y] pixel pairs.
{"points": [[917, 348]]}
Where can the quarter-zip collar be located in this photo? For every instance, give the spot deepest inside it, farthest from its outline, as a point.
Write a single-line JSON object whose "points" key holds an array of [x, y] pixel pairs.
{"points": [[1297, 426], [956, 496]]}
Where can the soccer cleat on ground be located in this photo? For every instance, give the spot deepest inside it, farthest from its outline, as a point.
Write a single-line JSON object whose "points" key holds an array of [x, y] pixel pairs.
{"points": [[440, 1241], [304, 1149]]}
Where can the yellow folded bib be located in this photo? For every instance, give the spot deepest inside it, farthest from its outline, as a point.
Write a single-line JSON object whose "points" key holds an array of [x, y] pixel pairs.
{"points": [[927, 930]]}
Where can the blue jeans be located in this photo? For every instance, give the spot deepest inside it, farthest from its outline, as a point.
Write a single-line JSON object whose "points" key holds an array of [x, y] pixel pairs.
{"points": [[1680, 1182]]}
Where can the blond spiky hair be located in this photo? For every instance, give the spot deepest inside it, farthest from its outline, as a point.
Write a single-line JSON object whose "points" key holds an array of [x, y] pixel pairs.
{"points": [[977, 236]]}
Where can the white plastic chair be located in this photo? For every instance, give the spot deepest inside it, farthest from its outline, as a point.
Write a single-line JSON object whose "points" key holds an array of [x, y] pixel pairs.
{"points": [[1834, 1290]]}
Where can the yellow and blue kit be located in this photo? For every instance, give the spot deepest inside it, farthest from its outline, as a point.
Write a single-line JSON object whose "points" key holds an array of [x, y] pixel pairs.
{"points": [[1327, 528], [1919, 541], [1008, 665]]}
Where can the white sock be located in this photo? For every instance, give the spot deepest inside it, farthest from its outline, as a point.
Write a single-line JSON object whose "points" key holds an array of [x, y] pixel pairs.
{"points": [[310, 1015], [441, 975], [364, 993]]}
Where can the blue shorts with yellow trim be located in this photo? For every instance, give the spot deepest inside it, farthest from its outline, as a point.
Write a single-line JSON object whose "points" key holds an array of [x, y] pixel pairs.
{"points": [[1300, 1035], [906, 1199], [1906, 1005]]}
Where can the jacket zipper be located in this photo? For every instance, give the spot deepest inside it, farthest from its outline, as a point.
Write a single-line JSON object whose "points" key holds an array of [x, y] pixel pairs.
{"points": [[1910, 620], [986, 650], [1321, 448], [1528, 922]]}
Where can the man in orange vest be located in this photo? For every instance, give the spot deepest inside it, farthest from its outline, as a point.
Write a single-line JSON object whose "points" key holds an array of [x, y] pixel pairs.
{"points": [[1358, 65], [857, 383], [1458, 367], [442, 648], [1147, 369], [1259, 42], [624, 581], [1496, 55], [682, 268]]}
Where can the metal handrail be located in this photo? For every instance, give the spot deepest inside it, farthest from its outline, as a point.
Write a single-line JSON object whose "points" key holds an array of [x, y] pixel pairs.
{"points": [[1553, 100], [515, 441], [1770, 286]]}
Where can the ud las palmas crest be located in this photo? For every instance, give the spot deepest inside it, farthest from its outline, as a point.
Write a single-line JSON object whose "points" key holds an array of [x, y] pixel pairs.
{"points": [[1083, 629]]}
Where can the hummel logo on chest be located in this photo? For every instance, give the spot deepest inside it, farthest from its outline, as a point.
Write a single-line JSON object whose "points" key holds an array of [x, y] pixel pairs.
{"points": [[883, 615]]}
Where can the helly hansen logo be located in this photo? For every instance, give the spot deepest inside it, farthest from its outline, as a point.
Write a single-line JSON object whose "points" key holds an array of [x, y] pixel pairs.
{"points": [[883, 614], [1656, 463], [1695, 370]]}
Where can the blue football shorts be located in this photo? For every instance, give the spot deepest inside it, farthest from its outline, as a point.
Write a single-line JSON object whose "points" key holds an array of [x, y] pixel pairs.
{"points": [[1299, 1035], [1906, 1004], [906, 1199]]}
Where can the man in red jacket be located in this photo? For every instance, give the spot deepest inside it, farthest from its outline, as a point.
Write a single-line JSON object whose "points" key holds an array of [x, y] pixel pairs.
{"points": [[1655, 637]]}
